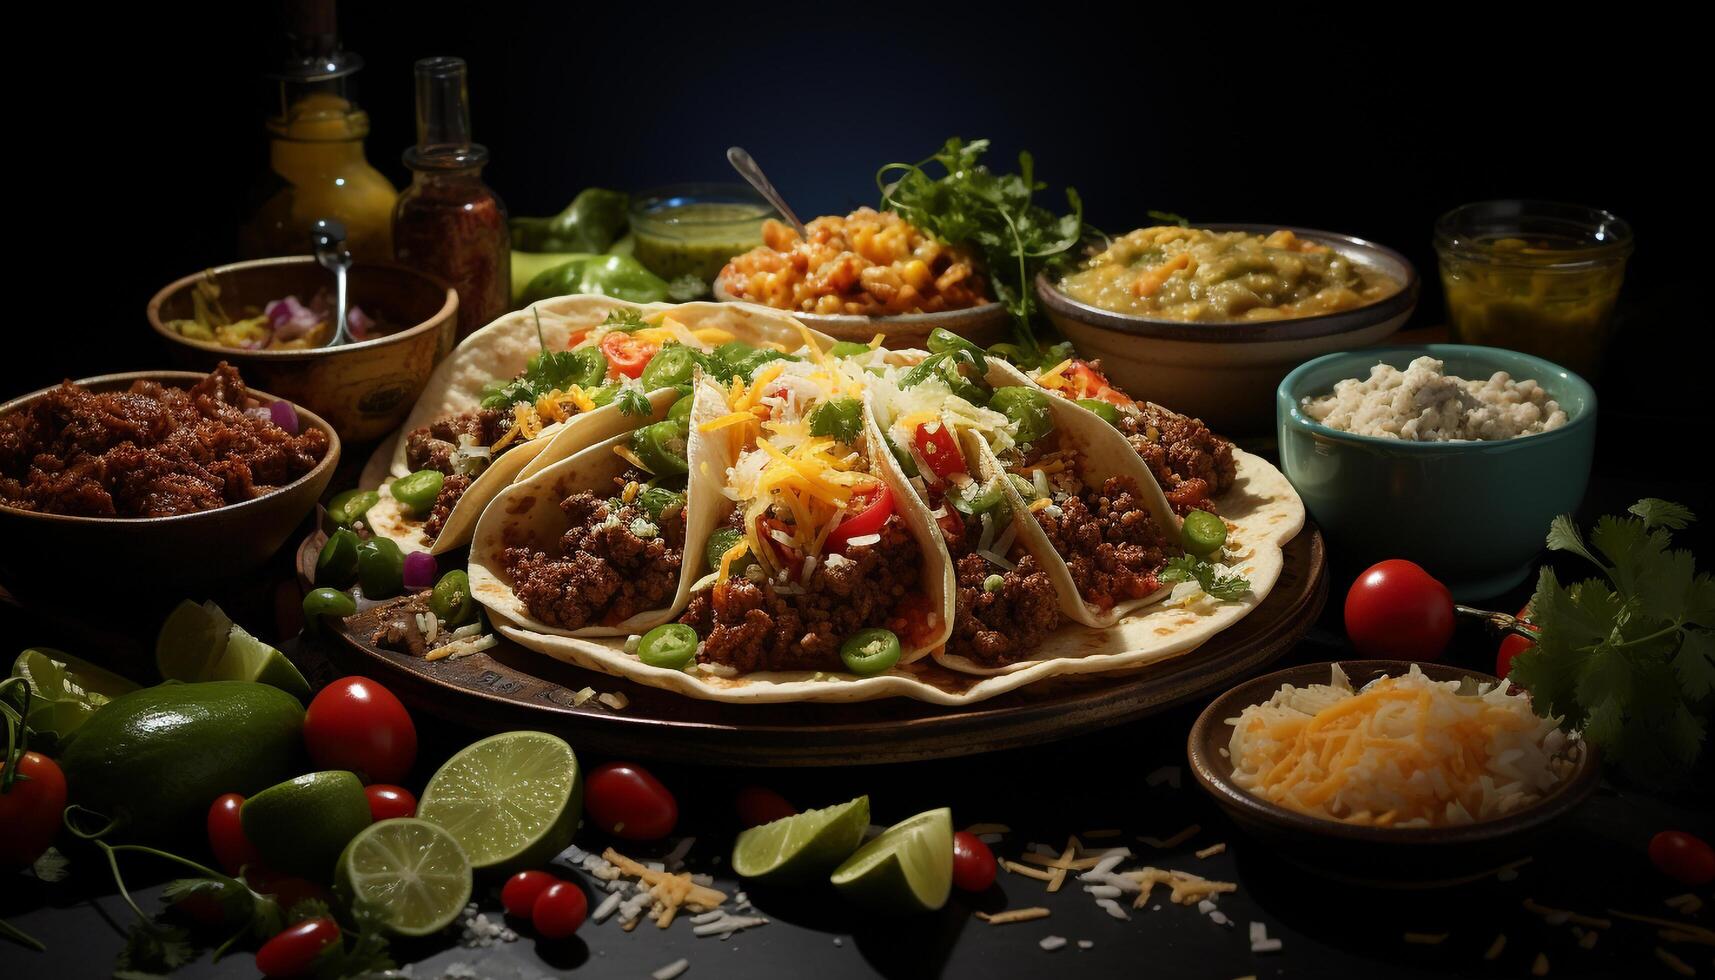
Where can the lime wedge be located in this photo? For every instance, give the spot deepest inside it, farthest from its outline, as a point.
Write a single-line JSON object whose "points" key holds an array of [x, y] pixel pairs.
{"points": [[300, 826], [909, 868], [199, 643], [803, 845], [510, 800], [409, 871], [191, 641]]}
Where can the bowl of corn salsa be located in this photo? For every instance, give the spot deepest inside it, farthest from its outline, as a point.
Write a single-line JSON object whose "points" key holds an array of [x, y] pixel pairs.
{"points": [[1210, 319]]}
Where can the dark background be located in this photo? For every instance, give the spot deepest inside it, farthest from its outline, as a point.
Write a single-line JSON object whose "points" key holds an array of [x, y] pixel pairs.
{"points": [[1355, 122]]}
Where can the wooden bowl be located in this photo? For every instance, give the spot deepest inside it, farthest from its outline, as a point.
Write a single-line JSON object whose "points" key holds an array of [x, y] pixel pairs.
{"points": [[186, 554], [1386, 856], [366, 389], [981, 325], [1226, 373]]}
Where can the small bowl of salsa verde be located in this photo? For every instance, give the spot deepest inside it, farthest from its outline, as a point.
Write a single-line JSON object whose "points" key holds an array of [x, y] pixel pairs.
{"points": [[695, 229], [1210, 319]]}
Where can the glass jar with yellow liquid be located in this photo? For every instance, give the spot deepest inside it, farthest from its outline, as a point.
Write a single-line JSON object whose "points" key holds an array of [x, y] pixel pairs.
{"points": [[316, 164], [1534, 276]]}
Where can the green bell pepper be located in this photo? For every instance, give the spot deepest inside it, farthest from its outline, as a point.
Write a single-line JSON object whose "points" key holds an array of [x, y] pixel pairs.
{"points": [[619, 276], [594, 220]]}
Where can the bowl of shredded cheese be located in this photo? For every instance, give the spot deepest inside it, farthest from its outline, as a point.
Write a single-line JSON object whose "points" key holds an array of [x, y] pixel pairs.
{"points": [[1394, 769]]}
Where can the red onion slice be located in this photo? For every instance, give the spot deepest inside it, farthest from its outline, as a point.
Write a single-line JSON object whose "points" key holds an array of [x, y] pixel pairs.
{"points": [[284, 416], [419, 570]]}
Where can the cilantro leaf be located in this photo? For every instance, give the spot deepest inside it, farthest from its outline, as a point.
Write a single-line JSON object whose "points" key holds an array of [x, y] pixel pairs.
{"points": [[1662, 513], [152, 949], [1186, 568], [52, 866], [1694, 664], [840, 419], [625, 319], [1563, 536], [366, 955], [632, 401]]}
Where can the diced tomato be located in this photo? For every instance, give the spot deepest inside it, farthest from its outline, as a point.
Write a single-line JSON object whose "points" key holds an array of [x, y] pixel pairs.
{"points": [[1088, 382], [910, 620], [626, 354], [938, 450], [870, 509]]}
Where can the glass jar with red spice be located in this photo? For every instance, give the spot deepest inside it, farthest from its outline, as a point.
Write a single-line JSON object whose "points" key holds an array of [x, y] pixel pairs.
{"points": [[448, 223]]}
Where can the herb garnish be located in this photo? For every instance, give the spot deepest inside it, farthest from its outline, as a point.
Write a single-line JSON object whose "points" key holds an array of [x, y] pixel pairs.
{"points": [[1629, 658], [840, 419], [624, 319], [968, 205], [632, 401], [1214, 583]]}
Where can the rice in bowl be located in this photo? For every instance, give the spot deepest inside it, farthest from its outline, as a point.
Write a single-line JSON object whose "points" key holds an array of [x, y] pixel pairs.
{"points": [[1403, 752]]}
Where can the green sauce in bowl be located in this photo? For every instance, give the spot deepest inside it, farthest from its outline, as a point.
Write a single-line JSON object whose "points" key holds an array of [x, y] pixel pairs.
{"points": [[695, 229]]}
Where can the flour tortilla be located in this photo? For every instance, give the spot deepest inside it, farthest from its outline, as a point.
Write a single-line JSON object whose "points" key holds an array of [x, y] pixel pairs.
{"points": [[501, 351], [528, 513], [716, 456], [1263, 513]]}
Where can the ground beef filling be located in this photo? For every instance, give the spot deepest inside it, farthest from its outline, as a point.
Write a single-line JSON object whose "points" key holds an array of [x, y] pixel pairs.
{"points": [[452, 488], [435, 446], [148, 451], [604, 571], [1191, 463], [750, 627], [1000, 627], [1111, 545]]}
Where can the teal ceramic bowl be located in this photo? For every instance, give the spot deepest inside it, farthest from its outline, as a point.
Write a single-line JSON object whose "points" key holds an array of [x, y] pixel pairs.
{"points": [[1474, 514]]}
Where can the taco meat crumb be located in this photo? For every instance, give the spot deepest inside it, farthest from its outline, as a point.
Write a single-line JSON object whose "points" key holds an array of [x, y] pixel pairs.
{"points": [[433, 446], [1191, 463], [1111, 544], [396, 625], [997, 628], [751, 626], [452, 488], [613, 562]]}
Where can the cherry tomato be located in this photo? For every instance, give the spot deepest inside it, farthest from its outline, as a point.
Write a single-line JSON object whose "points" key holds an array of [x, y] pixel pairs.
{"points": [[868, 513], [520, 892], [1513, 644], [226, 836], [293, 951], [1395, 609], [30, 810], [757, 805], [559, 910], [938, 450], [1683, 857], [973, 863], [387, 802], [628, 355], [627, 801], [357, 724]]}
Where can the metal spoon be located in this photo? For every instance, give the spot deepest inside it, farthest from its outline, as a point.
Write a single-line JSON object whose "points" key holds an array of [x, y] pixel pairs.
{"points": [[753, 175], [327, 237]]}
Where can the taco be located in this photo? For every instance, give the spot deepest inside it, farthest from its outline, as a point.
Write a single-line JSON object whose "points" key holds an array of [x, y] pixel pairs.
{"points": [[595, 544], [538, 385], [1193, 465]]}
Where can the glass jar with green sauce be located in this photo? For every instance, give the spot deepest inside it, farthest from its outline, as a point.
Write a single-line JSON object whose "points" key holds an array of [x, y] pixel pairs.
{"points": [[1534, 276], [695, 229]]}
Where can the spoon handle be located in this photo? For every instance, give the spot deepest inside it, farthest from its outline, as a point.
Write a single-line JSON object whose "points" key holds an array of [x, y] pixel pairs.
{"points": [[746, 166]]}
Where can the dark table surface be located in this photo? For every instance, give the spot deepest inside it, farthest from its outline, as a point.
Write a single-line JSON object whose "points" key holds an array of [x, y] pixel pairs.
{"points": [[1592, 861]]}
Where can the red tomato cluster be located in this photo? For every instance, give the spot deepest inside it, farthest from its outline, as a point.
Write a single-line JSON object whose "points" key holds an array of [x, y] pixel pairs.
{"points": [[555, 907]]}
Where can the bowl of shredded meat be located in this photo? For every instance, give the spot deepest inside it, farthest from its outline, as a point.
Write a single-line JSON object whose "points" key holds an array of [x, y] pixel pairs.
{"points": [[171, 479]]}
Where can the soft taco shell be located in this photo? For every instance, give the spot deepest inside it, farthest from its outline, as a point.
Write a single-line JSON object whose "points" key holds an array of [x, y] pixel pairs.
{"points": [[1262, 511], [528, 512]]}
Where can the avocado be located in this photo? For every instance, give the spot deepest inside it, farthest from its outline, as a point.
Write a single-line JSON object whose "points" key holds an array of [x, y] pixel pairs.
{"points": [[157, 758]]}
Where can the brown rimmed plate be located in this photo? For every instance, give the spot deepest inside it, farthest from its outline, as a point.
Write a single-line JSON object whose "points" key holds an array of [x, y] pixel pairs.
{"points": [[509, 687], [1373, 856]]}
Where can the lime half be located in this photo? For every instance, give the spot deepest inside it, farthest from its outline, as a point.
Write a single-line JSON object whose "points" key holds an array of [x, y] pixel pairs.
{"points": [[909, 868], [200, 643], [410, 871], [802, 845], [300, 826], [511, 800]]}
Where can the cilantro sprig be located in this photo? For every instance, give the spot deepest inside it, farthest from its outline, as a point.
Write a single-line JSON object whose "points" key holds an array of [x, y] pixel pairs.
{"points": [[1627, 657], [1227, 587], [994, 213]]}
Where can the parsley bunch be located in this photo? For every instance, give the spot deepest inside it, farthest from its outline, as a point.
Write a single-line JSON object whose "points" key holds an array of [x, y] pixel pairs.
{"points": [[994, 213], [1628, 657]]}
